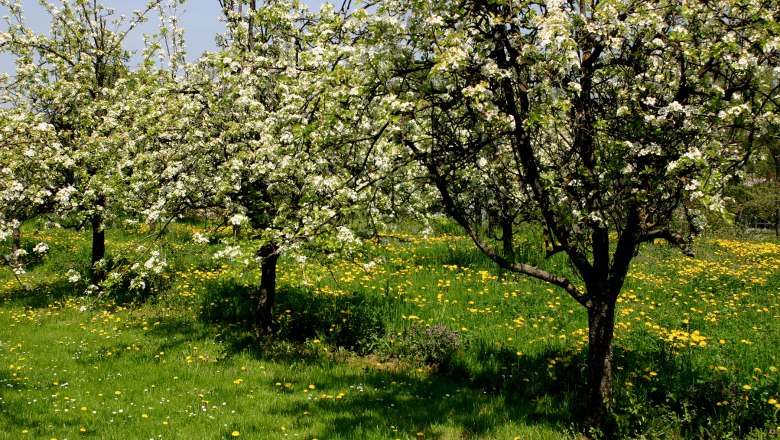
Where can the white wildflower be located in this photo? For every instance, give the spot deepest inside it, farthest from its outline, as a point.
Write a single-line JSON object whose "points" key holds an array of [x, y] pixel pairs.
{"points": [[41, 248], [73, 276]]}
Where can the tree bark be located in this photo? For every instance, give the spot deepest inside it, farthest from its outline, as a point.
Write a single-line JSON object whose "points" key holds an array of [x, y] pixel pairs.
{"points": [[776, 158], [264, 319], [508, 237], [251, 26], [601, 327], [16, 239], [98, 274]]}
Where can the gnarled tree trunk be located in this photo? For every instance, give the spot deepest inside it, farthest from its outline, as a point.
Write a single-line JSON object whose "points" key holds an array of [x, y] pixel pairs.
{"points": [[98, 273], [776, 158], [266, 296], [16, 238], [508, 237], [601, 327]]}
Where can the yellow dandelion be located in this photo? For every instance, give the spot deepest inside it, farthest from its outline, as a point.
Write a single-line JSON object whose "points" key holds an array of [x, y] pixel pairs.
{"points": [[235, 433], [117, 392], [747, 387]]}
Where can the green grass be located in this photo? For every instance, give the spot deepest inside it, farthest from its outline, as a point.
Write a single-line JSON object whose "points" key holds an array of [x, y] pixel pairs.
{"points": [[696, 347]]}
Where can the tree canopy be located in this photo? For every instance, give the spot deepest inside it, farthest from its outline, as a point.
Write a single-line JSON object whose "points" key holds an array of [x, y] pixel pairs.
{"points": [[72, 82], [270, 131], [609, 123]]}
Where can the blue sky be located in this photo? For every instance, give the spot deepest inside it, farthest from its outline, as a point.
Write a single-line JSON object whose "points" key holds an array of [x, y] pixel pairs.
{"points": [[200, 19]]}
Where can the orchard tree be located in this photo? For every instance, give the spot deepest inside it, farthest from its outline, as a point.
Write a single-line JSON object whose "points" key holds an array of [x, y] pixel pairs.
{"points": [[756, 198], [268, 130], [23, 195], [73, 79], [610, 123], [772, 144]]}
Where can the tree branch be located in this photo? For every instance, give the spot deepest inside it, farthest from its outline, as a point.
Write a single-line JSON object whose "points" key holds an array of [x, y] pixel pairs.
{"points": [[456, 213], [671, 237]]}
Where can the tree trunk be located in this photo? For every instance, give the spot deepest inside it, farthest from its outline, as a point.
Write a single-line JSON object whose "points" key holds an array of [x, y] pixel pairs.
{"points": [[601, 326], [16, 238], [98, 249], [776, 159], [508, 237], [264, 318], [251, 26]]}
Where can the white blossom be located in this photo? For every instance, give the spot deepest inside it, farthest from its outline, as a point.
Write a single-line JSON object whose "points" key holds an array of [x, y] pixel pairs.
{"points": [[73, 276], [41, 248]]}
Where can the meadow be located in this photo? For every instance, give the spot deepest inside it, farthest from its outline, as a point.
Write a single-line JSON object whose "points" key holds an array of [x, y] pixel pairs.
{"points": [[410, 337]]}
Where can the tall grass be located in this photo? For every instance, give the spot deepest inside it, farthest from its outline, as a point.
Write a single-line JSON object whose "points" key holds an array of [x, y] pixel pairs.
{"points": [[696, 346]]}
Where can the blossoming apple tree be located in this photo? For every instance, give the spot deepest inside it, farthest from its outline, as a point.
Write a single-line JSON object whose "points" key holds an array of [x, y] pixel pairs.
{"points": [[22, 194], [270, 129], [610, 123], [72, 83], [21, 190]]}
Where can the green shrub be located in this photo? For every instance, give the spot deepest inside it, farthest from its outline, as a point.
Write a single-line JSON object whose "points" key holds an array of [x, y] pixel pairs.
{"points": [[129, 281], [434, 346]]}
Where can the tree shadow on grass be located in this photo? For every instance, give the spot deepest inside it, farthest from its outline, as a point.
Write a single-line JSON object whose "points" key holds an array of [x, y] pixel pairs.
{"points": [[411, 404], [475, 401], [475, 395], [352, 321], [167, 336], [436, 404], [393, 394], [663, 390], [42, 294]]}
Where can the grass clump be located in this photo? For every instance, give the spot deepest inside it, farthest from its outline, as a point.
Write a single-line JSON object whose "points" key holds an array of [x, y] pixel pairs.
{"points": [[433, 346]]}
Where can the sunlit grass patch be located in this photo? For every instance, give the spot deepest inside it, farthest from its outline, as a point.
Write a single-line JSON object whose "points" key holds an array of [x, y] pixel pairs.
{"points": [[696, 347]]}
